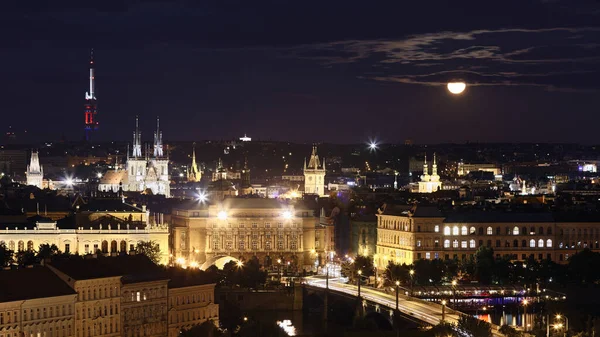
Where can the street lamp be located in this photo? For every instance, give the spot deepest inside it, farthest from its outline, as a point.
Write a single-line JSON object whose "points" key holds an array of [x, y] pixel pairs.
{"points": [[559, 316], [454, 283], [443, 310], [412, 274], [359, 275], [397, 290], [279, 269]]}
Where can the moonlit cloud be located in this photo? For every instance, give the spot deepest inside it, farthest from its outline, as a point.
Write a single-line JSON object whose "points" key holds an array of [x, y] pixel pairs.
{"points": [[508, 57]]}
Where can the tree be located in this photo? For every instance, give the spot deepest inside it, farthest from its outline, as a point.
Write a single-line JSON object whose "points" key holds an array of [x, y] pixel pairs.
{"points": [[509, 331], [6, 255], [484, 264], [25, 258], [474, 327], [207, 329], [149, 248], [396, 272], [47, 251], [365, 265], [585, 266]]}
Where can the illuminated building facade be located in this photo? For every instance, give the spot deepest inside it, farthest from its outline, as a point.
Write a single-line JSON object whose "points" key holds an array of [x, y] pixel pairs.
{"points": [[314, 175], [409, 233], [243, 228], [430, 183], [35, 171], [144, 172], [91, 108]]}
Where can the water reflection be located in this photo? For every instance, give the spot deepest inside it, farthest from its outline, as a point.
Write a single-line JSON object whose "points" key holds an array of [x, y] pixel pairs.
{"points": [[508, 318]]}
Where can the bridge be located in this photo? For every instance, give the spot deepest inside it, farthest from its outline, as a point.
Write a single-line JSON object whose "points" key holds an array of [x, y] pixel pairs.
{"points": [[423, 311]]}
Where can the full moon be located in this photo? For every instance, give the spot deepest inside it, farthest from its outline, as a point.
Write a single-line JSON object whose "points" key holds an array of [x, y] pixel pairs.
{"points": [[456, 87]]}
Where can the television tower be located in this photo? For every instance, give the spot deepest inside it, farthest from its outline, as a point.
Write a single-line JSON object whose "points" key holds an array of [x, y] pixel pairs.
{"points": [[91, 108]]}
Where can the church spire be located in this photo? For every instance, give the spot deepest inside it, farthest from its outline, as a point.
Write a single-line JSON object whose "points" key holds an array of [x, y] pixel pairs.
{"points": [[434, 166], [137, 140], [425, 168], [158, 145], [194, 174]]}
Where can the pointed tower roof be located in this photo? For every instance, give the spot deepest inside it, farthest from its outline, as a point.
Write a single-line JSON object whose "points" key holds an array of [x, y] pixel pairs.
{"points": [[314, 162]]}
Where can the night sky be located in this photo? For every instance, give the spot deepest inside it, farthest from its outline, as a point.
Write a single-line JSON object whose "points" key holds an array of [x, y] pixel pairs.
{"points": [[305, 71]]}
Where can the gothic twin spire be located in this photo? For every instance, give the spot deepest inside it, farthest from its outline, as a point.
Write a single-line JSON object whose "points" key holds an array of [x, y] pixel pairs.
{"points": [[137, 140]]}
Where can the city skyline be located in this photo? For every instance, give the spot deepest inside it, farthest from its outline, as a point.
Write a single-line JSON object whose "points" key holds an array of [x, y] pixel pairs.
{"points": [[344, 72]]}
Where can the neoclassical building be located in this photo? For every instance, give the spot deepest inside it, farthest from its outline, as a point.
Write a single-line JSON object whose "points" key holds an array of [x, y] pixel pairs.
{"points": [[244, 228], [409, 233], [106, 225], [144, 170], [36, 302]]}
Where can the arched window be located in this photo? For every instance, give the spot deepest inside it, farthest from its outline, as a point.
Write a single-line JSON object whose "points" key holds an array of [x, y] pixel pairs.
{"points": [[490, 231], [455, 244], [549, 231], [447, 230], [524, 230], [498, 230], [489, 243], [30, 246], [541, 231], [549, 243], [516, 230], [480, 230], [472, 230], [464, 230], [532, 230], [436, 228], [516, 243], [532, 243], [123, 246], [105, 246], [455, 230], [113, 246], [11, 245], [446, 243], [541, 243], [471, 243], [21, 246], [480, 243]]}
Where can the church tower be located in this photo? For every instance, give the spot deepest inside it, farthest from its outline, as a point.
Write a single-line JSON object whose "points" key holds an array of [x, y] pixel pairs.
{"points": [[194, 175], [160, 165], [430, 183], [314, 175], [35, 171], [136, 164]]}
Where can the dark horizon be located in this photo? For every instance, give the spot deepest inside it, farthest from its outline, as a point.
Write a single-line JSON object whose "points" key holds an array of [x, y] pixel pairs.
{"points": [[337, 72]]}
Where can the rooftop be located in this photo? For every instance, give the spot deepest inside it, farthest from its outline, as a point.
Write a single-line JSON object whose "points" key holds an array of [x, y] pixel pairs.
{"points": [[30, 283]]}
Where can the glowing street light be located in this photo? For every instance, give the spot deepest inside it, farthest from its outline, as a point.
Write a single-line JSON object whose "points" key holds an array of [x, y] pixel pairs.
{"points": [[222, 215], [98, 175], [202, 197], [287, 215], [240, 264], [373, 145]]}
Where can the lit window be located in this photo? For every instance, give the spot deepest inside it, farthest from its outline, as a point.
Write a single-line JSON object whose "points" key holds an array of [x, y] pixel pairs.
{"points": [[455, 244], [455, 230], [463, 244], [446, 243], [428, 255], [446, 230], [472, 244], [138, 296], [464, 230], [516, 230], [541, 243], [549, 243], [418, 243], [436, 228], [532, 243], [472, 230], [490, 231]]}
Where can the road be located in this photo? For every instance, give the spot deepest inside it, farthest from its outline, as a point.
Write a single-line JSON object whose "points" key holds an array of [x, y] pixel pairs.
{"points": [[427, 312]]}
